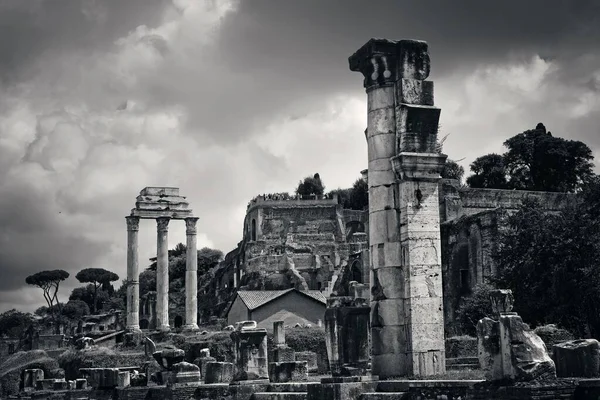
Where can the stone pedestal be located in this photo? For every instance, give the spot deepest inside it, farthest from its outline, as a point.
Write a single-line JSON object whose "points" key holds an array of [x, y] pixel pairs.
{"points": [[167, 358], [133, 285], [191, 276], [30, 379], [250, 350], [184, 373], [292, 371], [102, 378], [347, 335], [509, 350], [124, 379], [219, 372], [577, 358], [162, 274], [404, 232]]}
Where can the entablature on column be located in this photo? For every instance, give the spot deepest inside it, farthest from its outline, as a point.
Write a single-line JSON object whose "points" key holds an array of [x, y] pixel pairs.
{"points": [[160, 201]]}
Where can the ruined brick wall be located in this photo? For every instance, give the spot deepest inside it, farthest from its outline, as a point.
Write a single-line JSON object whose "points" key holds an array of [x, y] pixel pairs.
{"points": [[474, 219]]}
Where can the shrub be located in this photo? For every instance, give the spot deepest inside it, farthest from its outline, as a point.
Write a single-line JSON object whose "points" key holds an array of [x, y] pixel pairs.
{"points": [[552, 334], [96, 357], [13, 366], [473, 308], [461, 346], [313, 339]]}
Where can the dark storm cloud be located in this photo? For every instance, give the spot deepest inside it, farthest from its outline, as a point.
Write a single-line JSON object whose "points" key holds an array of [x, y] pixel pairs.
{"points": [[32, 28], [275, 56]]}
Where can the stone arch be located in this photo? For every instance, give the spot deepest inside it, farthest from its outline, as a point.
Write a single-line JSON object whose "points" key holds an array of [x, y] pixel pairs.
{"points": [[144, 323], [178, 321], [356, 273], [253, 233]]}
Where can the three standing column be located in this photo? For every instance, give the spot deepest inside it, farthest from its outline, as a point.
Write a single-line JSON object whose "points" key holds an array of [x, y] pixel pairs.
{"points": [[162, 274], [191, 277], [133, 287]]}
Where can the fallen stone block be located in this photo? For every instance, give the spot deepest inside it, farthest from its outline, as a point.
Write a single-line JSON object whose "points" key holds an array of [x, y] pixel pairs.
{"points": [[201, 363], [184, 372], [577, 358], [294, 371], [219, 372], [30, 378], [102, 378], [311, 360], [124, 379], [45, 384], [81, 383], [60, 384]]}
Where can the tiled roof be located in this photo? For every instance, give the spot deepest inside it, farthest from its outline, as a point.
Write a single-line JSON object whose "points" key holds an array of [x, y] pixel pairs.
{"points": [[254, 299]]}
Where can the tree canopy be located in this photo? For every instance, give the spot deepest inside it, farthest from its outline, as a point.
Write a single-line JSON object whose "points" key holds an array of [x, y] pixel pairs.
{"points": [[535, 160], [550, 261], [452, 170], [311, 185], [49, 282], [13, 323], [354, 198], [96, 277]]}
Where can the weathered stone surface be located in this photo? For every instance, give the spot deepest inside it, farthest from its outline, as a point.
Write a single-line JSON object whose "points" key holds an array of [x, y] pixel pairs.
{"points": [[45, 384], [60, 384], [219, 372], [347, 335], [30, 378], [162, 273], [291, 371], [123, 379], [166, 358], [311, 360], [278, 333], [529, 355], [244, 325], [250, 351], [502, 301], [184, 373], [201, 362], [577, 358], [102, 378], [149, 347], [510, 350], [81, 383], [283, 353], [414, 91]]}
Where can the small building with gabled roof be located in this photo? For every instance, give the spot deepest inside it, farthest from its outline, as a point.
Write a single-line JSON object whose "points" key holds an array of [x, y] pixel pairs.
{"points": [[292, 306]]}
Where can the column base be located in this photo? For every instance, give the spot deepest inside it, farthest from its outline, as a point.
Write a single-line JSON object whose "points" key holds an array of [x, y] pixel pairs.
{"points": [[133, 329], [165, 328], [191, 327]]}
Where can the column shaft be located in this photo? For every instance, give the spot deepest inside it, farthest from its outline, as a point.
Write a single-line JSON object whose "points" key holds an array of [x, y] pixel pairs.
{"points": [[191, 276], [162, 274], [133, 286]]}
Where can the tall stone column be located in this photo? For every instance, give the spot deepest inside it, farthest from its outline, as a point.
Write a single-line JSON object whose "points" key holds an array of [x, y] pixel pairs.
{"points": [[162, 274], [404, 232], [191, 275], [133, 284]]}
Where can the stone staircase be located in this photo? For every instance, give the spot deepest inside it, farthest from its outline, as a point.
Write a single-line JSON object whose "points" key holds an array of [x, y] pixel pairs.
{"points": [[284, 391], [462, 363]]}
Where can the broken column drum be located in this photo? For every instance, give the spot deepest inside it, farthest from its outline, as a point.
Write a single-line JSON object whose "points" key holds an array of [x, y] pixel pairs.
{"points": [[407, 324], [162, 204]]}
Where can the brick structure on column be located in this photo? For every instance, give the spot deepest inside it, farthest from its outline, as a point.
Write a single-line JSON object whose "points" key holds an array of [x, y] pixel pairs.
{"points": [[404, 228]]}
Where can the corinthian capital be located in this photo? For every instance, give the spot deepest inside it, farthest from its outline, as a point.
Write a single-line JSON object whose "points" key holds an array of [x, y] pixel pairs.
{"points": [[162, 224], [133, 223], [190, 225], [382, 61]]}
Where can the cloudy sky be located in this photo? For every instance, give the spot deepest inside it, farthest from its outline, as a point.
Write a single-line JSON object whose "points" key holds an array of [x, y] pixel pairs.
{"points": [[229, 99]]}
